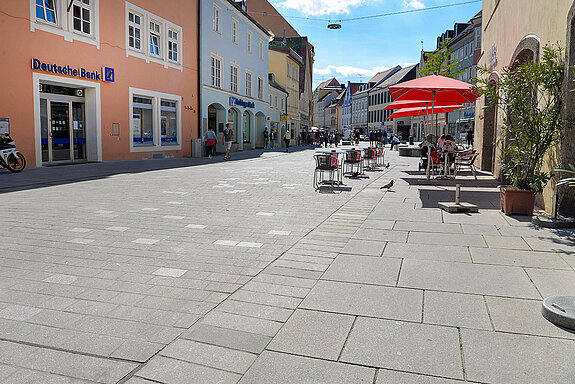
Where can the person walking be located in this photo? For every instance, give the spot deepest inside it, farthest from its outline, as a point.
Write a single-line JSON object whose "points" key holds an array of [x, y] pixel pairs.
{"points": [[287, 138], [228, 139], [266, 137], [272, 138], [469, 137], [371, 138], [211, 140]]}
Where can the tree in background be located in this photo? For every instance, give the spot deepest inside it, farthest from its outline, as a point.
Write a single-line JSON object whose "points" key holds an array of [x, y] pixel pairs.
{"points": [[441, 62]]}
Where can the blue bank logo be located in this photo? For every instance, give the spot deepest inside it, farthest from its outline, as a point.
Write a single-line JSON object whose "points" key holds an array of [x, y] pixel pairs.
{"points": [[108, 74], [246, 104]]}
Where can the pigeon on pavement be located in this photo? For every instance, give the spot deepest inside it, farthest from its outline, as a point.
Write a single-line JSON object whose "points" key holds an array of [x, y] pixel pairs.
{"points": [[388, 185], [387, 166]]}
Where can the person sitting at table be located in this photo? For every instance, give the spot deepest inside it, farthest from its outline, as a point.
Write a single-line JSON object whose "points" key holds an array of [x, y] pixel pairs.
{"points": [[440, 140], [448, 147]]}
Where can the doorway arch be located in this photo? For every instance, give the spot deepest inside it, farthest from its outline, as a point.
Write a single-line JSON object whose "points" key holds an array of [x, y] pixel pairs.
{"points": [[247, 129], [260, 127], [216, 121]]}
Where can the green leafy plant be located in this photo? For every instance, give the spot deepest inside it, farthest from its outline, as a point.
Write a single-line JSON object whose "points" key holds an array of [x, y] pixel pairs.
{"points": [[531, 97], [570, 181], [441, 62]]}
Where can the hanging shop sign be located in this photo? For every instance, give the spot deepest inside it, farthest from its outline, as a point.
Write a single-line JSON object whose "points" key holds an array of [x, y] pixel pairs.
{"points": [[106, 74], [234, 101]]}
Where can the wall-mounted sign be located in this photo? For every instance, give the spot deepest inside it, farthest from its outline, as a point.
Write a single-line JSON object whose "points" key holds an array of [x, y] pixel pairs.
{"points": [[469, 115], [284, 117], [234, 101], [107, 74]]}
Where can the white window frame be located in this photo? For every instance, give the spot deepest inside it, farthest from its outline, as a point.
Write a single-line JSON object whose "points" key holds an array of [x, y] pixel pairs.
{"points": [[64, 24], [217, 19], [173, 42], [144, 51], [249, 84], [135, 26], [234, 87], [261, 49], [261, 91], [155, 33], [89, 8], [156, 116], [250, 42], [213, 78], [235, 32]]}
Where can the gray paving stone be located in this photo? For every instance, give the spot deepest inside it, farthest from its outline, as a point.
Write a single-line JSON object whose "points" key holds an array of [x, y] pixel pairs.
{"points": [[19, 312], [27, 376], [61, 279], [396, 236], [506, 242], [364, 247], [169, 272], [552, 282], [409, 347], [364, 269], [522, 316], [267, 312], [137, 350], [426, 227], [365, 300], [242, 323], [165, 370], [276, 289], [551, 244], [230, 338], [518, 258], [313, 334], [280, 368], [393, 377], [378, 224], [266, 299], [481, 229], [479, 279], [446, 239], [427, 252], [493, 357], [455, 309]]}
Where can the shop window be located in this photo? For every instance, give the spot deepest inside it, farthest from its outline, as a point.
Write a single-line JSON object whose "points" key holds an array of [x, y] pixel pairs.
{"points": [[142, 121], [134, 31], [169, 122], [46, 11], [216, 72], [81, 13], [172, 45]]}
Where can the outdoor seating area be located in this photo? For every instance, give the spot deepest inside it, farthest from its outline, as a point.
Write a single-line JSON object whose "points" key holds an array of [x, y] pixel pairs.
{"points": [[332, 165]]}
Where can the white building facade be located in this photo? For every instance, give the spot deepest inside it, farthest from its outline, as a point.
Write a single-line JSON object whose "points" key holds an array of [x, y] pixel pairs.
{"points": [[234, 73]]}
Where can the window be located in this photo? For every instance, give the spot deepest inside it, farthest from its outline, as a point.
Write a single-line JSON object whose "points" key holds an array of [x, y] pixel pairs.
{"points": [[134, 31], [81, 11], [155, 42], [216, 72], [248, 84], [172, 45], [261, 49], [260, 88], [46, 11], [217, 21], [288, 69], [249, 42], [235, 28], [169, 122], [142, 121], [233, 78]]}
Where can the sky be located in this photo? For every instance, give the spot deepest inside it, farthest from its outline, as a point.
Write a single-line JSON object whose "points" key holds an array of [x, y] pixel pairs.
{"points": [[363, 47]]}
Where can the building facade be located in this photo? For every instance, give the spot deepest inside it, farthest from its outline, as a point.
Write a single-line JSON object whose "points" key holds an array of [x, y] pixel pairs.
{"points": [[99, 80], [234, 73], [346, 105], [507, 36], [359, 108], [319, 94], [277, 111]]}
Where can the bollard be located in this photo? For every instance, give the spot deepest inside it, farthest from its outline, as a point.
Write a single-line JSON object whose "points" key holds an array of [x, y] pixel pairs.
{"points": [[457, 193]]}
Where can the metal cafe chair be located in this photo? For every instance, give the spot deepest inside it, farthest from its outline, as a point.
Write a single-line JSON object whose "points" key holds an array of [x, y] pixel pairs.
{"points": [[326, 164], [435, 164], [369, 158], [466, 159], [353, 161]]}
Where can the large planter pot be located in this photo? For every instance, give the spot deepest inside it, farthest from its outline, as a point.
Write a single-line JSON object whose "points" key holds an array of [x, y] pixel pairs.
{"points": [[517, 201]]}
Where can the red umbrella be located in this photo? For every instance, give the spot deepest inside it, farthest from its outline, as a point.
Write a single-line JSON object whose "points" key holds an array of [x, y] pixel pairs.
{"points": [[435, 89], [414, 103], [419, 111]]}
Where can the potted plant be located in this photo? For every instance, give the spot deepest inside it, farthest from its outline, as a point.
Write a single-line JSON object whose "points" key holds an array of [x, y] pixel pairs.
{"points": [[531, 97]]}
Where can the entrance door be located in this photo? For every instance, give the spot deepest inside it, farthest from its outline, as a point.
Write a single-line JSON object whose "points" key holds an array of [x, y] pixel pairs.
{"points": [[59, 134]]}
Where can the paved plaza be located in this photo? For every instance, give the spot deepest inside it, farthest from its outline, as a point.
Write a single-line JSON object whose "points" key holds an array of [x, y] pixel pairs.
{"points": [[211, 271]]}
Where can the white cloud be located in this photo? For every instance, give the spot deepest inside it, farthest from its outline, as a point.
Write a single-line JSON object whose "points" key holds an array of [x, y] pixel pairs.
{"points": [[347, 71], [322, 7], [413, 4]]}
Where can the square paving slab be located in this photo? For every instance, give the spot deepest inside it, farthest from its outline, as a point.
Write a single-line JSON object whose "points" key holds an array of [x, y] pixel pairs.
{"points": [[385, 376], [280, 368], [427, 252], [455, 309], [366, 300], [467, 278], [364, 247], [364, 269], [410, 347], [518, 258]]}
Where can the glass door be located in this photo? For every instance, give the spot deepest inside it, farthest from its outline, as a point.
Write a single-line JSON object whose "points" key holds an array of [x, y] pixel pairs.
{"points": [[79, 131], [60, 147]]}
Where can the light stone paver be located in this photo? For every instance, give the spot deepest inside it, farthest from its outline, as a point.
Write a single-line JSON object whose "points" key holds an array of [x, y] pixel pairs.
{"points": [[467, 278], [365, 300], [313, 334], [145, 241], [493, 357], [280, 368], [363, 269], [332, 256], [410, 347]]}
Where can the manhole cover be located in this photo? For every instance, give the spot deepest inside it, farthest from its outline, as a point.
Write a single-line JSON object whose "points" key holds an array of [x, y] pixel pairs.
{"points": [[560, 310]]}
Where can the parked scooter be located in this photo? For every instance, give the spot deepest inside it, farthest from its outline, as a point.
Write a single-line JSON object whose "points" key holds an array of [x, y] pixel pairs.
{"points": [[9, 157]]}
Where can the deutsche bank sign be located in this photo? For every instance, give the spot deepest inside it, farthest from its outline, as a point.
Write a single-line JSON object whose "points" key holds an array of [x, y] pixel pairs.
{"points": [[107, 73], [246, 104]]}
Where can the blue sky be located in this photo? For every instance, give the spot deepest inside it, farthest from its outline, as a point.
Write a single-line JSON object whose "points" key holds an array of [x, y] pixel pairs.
{"points": [[361, 48]]}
